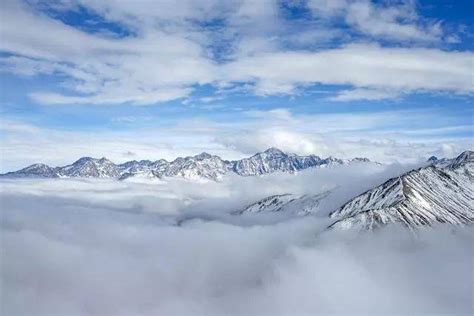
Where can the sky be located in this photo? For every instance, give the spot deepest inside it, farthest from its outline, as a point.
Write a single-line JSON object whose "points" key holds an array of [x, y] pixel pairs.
{"points": [[387, 80]]}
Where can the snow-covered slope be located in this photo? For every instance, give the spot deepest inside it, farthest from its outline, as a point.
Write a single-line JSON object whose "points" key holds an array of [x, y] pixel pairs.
{"points": [[298, 205], [197, 167], [38, 170], [87, 167], [202, 166], [439, 193], [272, 160], [269, 204]]}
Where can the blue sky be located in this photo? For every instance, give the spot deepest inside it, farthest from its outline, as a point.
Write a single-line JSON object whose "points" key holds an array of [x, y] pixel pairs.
{"points": [[389, 80]]}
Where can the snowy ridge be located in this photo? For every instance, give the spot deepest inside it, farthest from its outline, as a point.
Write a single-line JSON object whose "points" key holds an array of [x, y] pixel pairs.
{"points": [[298, 205], [439, 193], [442, 192], [202, 166], [269, 204]]}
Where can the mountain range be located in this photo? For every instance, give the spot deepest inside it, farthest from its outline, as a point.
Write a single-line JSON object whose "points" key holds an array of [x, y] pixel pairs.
{"points": [[202, 166], [441, 192]]}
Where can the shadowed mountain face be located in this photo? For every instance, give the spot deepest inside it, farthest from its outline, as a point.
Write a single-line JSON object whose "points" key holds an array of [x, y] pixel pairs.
{"points": [[202, 166], [439, 193]]}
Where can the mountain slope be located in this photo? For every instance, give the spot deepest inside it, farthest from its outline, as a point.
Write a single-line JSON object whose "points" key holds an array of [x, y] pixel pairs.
{"points": [[38, 170], [272, 160], [434, 194], [298, 205], [269, 204], [202, 166], [87, 167]]}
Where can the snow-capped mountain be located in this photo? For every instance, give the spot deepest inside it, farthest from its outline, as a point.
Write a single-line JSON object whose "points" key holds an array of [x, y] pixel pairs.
{"points": [[90, 167], [272, 160], [202, 166], [439, 193], [197, 167], [37, 170], [298, 205]]}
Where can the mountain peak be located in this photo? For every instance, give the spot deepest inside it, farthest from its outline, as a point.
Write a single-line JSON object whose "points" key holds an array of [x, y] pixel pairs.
{"points": [[360, 159], [203, 155], [83, 160], [103, 159], [432, 159], [36, 165], [274, 151], [467, 156]]}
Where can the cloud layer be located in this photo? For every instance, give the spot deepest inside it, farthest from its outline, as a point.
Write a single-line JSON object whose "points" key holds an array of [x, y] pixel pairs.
{"points": [[108, 248]]}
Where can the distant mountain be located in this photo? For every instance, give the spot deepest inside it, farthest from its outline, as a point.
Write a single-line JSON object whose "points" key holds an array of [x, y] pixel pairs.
{"points": [[432, 159], [202, 166], [90, 167], [442, 192]]}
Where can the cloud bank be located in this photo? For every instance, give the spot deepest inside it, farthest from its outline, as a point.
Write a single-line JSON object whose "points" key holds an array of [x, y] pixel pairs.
{"points": [[113, 248]]}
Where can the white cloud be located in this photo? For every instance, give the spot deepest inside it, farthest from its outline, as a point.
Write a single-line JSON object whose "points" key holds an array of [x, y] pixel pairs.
{"points": [[254, 140], [387, 20], [169, 55], [360, 65], [79, 247], [145, 69], [364, 94], [140, 98]]}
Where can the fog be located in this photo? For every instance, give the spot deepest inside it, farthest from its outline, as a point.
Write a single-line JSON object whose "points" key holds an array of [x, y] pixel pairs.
{"points": [[103, 247]]}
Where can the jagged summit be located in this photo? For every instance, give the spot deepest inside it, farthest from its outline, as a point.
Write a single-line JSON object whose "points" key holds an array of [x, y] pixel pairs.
{"points": [[465, 157], [201, 166], [203, 156], [104, 160], [38, 170], [273, 151], [84, 160], [361, 159]]}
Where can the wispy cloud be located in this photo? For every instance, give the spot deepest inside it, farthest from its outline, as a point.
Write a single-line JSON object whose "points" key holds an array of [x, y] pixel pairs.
{"points": [[364, 94], [396, 21]]}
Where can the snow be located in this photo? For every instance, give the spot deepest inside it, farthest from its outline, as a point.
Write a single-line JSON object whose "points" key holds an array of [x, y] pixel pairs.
{"points": [[291, 204], [200, 167], [439, 193]]}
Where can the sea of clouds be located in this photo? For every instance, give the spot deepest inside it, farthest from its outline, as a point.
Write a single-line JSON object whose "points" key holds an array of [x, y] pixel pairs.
{"points": [[104, 247]]}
